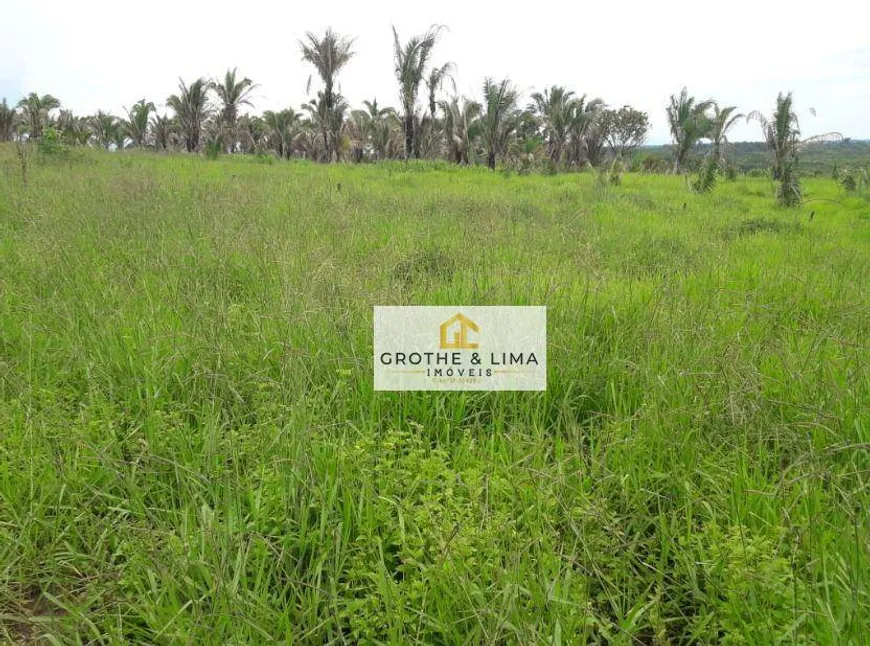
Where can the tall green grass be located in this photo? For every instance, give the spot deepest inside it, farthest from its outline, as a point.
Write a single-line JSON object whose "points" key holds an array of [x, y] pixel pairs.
{"points": [[191, 451]]}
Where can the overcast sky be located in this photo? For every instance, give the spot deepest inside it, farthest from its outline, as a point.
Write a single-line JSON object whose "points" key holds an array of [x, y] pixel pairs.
{"points": [[104, 54]]}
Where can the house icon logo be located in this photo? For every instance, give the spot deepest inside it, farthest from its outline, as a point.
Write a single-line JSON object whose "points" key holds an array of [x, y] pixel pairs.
{"points": [[455, 333]]}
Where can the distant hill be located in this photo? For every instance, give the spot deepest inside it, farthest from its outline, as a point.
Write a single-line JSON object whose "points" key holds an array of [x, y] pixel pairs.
{"points": [[815, 159]]}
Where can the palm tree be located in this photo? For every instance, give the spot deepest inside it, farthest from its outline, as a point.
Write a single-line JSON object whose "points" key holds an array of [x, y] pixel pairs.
{"points": [[425, 135], [162, 130], [721, 122], [281, 129], [496, 122], [435, 81], [104, 127], [560, 112], [251, 131], [191, 110], [119, 136], [36, 112], [308, 141], [591, 146], [136, 124], [66, 125], [459, 123], [216, 138], [233, 94], [689, 123], [75, 131], [782, 136], [328, 54], [585, 137], [378, 125], [411, 60], [329, 122], [7, 121], [357, 136]]}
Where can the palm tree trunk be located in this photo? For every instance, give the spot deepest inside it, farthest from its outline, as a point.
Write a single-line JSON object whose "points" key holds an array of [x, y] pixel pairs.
{"points": [[409, 134], [555, 151], [417, 145]]}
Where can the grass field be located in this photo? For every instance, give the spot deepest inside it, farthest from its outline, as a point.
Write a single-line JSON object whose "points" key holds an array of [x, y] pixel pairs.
{"points": [[191, 451]]}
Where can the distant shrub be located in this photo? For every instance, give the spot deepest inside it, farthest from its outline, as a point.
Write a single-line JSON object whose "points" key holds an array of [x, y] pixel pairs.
{"points": [[608, 175], [653, 164], [731, 172], [213, 148], [852, 180], [615, 171], [51, 144], [525, 165]]}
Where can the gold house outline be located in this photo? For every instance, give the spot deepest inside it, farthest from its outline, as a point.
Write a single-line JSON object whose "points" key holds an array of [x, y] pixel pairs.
{"points": [[460, 339]]}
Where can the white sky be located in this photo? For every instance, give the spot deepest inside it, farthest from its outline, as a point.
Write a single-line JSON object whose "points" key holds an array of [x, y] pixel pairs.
{"points": [[104, 54]]}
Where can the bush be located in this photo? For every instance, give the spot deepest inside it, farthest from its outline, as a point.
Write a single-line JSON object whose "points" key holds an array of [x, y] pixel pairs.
{"points": [[51, 144], [653, 164], [852, 180], [731, 172], [213, 148], [706, 180]]}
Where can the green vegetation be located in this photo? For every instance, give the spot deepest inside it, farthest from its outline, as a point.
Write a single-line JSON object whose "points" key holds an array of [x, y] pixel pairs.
{"points": [[689, 122], [823, 159], [782, 137], [558, 130], [191, 451]]}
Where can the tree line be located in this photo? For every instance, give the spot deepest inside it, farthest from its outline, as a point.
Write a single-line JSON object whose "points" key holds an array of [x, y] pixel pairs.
{"points": [[557, 126], [556, 129]]}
